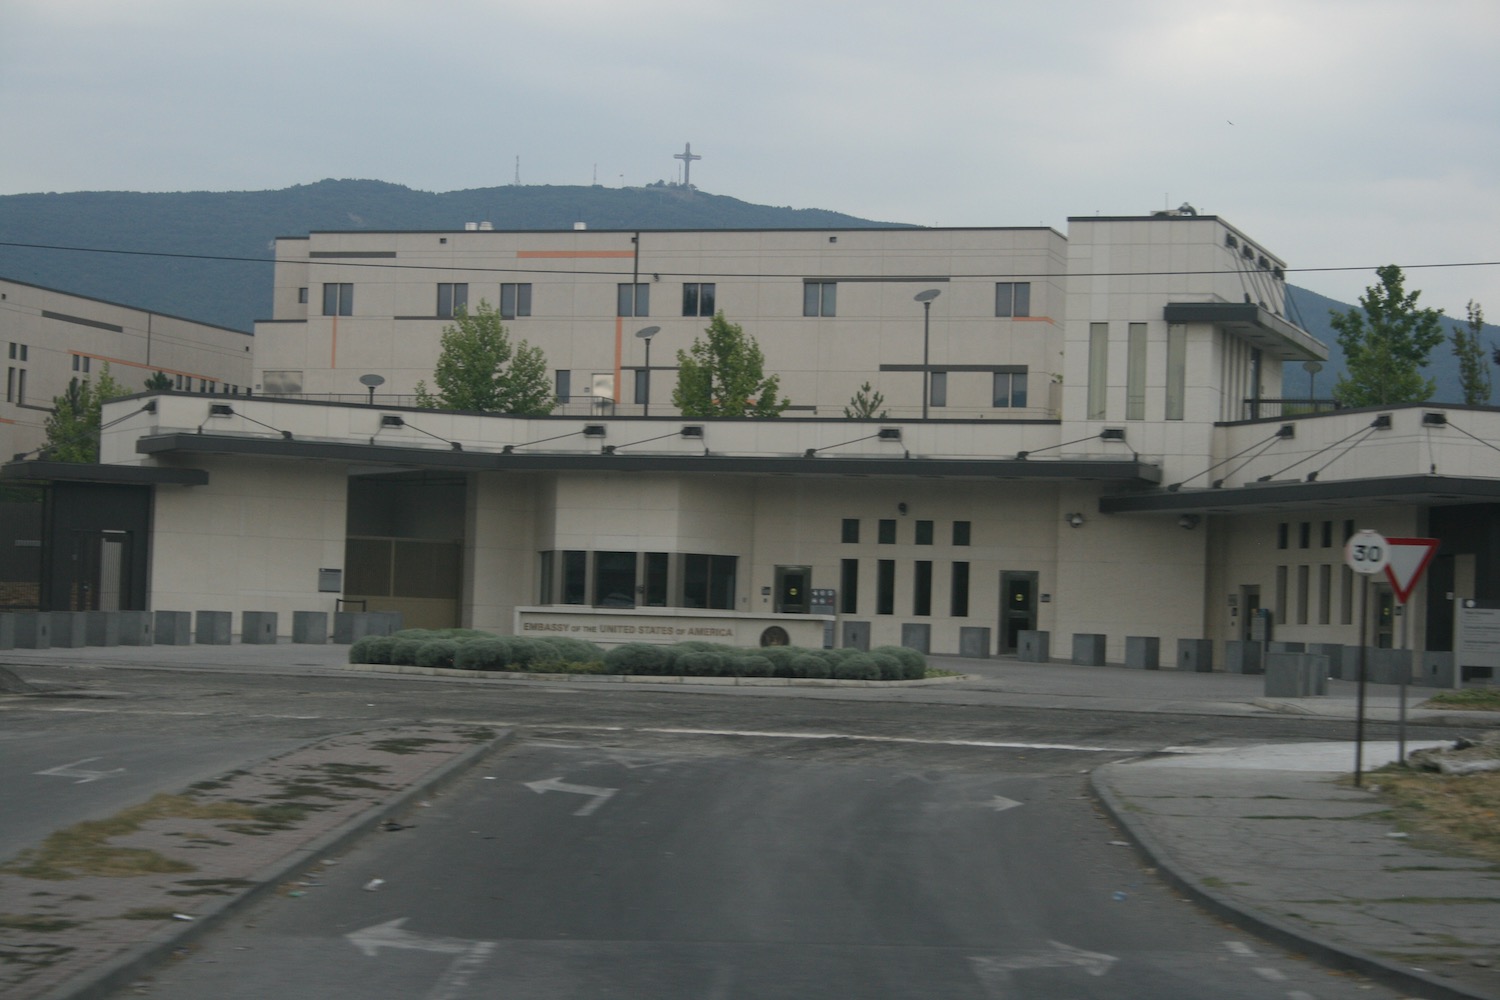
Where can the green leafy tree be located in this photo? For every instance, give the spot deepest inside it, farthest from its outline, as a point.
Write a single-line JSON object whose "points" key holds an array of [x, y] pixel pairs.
{"points": [[159, 381], [73, 427], [480, 370], [1473, 366], [866, 404], [723, 375], [1386, 343]]}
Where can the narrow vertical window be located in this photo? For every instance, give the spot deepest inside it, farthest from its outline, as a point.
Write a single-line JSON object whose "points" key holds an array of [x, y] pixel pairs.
{"points": [[1098, 387], [958, 592], [1304, 585], [939, 388], [1281, 595], [885, 587], [574, 577], [1176, 371], [545, 594], [1325, 593], [850, 530], [961, 532], [656, 580], [1346, 596], [924, 532], [887, 531], [849, 587], [1135, 372], [642, 385], [921, 598], [564, 390]]}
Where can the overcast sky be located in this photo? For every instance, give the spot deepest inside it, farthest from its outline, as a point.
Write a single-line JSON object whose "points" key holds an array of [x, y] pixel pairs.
{"points": [[1339, 133]]}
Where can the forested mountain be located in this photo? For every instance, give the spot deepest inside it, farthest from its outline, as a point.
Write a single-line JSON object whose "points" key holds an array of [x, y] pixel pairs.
{"points": [[207, 255]]}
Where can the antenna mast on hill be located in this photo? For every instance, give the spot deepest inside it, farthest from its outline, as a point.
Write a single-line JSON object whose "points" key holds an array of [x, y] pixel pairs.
{"points": [[517, 181], [687, 156]]}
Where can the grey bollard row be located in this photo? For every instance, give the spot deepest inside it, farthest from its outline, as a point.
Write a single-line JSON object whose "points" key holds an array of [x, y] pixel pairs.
{"points": [[1242, 656], [69, 629], [136, 628], [1195, 655], [310, 626], [350, 626], [104, 628], [386, 622], [973, 642], [1277, 646], [1383, 666], [1143, 652], [174, 628], [1296, 675], [1437, 670], [258, 627], [1340, 659], [7, 630], [1088, 649], [212, 628], [33, 630], [1032, 646]]}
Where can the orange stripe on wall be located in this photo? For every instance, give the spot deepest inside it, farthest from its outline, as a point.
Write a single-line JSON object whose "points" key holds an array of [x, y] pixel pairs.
{"points": [[572, 254]]}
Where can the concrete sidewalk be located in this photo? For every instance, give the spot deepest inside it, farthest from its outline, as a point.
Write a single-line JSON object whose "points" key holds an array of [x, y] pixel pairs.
{"points": [[1268, 837]]}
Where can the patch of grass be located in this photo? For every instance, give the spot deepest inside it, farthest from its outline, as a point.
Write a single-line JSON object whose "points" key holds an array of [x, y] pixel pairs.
{"points": [[35, 922], [85, 849], [412, 744], [479, 735], [36, 956], [148, 913], [1459, 813], [1469, 699]]}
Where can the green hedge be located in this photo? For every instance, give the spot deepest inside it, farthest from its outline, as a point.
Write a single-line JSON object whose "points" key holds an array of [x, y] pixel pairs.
{"points": [[470, 649]]}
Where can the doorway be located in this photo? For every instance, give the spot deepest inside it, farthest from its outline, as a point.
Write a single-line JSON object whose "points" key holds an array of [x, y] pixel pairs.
{"points": [[1249, 605], [791, 589], [1018, 602]]}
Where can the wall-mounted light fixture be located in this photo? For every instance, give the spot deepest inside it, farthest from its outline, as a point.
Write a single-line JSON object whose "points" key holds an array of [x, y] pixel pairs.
{"points": [[1075, 520], [1188, 522]]}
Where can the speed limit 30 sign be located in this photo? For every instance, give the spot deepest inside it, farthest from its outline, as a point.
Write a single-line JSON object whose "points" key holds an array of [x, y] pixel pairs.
{"points": [[1367, 552]]}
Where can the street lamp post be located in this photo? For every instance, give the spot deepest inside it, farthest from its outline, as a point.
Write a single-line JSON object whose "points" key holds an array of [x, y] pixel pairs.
{"points": [[926, 299], [646, 335]]}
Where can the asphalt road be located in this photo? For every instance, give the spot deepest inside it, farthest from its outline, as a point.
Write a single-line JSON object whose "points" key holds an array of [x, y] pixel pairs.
{"points": [[660, 844]]}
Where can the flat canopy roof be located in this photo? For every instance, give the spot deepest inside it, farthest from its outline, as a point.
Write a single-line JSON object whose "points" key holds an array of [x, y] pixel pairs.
{"points": [[1400, 491], [122, 475], [1254, 324]]}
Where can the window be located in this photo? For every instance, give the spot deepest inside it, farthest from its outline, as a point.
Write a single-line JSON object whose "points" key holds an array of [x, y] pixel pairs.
{"points": [[939, 388], [921, 598], [10, 385], [633, 300], [887, 535], [574, 576], [656, 579], [642, 385], [17, 352], [544, 578], [924, 532], [20, 387], [1325, 593], [1176, 371], [1135, 372], [960, 532], [614, 579], [885, 587], [820, 298], [1010, 390], [1281, 535], [1303, 572], [1012, 298], [515, 299], [1346, 595], [564, 393], [302, 296], [1098, 387], [958, 593], [851, 530], [1281, 594], [708, 581], [1304, 535], [849, 587], [697, 298], [452, 299], [338, 299], [1327, 538], [80, 363]]}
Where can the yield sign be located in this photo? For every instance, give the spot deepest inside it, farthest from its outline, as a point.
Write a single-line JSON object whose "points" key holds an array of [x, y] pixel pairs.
{"points": [[1408, 558]]}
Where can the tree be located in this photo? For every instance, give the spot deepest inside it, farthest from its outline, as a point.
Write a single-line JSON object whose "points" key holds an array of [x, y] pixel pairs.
{"points": [[866, 404], [1386, 344], [480, 370], [158, 382], [1473, 369], [73, 427], [724, 376]]}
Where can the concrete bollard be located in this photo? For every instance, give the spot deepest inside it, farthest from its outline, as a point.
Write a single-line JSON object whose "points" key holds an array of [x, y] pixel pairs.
{"points": [[258, 627], [974, 642], [211, 628], [1032, 646], [310, 627], [1242, 656], [104, 628], [1195, 655], [1088, 649], [33, 630], [174, 628], [70, 629], [7, 630], [1143, 652], [136, 628]]}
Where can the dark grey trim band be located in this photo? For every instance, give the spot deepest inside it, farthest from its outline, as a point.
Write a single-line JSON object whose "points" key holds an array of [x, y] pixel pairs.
{"points": [[72, 472]]}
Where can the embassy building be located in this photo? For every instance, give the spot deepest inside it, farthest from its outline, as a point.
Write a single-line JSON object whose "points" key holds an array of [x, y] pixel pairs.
{"points": [[1083, 435]]}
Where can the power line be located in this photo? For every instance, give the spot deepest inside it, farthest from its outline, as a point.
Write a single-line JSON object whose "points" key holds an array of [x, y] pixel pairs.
{"points": [[450, 268]]}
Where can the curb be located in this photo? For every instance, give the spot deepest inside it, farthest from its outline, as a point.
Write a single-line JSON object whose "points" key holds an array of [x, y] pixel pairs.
{"points": [[110, 977], [672, 679], [1331, 954]]}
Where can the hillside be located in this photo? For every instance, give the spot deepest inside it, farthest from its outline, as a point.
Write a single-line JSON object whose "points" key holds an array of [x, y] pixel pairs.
{"points": [[206, 255]]}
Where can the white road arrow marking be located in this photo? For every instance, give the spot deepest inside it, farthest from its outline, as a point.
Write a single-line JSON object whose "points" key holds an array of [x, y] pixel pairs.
{"points": [[1000, 803], [996, 972], [599, 795], [74, 770], [454, 981]]}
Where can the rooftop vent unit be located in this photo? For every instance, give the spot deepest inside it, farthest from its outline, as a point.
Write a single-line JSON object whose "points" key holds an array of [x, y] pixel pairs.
{"points": [[579, 227], [471, 227], [486, 227], [1231, 241]]}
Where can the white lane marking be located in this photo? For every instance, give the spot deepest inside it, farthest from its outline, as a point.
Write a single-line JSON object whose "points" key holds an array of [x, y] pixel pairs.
{"points": [[1000, 803], [1240, 948], [453, 983], [75, 770], [1269, 974], [599, 795], [793, 735], [995, 971]]}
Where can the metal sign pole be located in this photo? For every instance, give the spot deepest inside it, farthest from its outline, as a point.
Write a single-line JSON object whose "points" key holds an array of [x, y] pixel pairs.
{"points": [[1405, 675], [1359, 724]]}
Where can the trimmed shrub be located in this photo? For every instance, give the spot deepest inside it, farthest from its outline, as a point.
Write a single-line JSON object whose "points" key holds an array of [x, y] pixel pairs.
{"points": [[701, 663], [372, 649], [437, 653], [482, 654], [780, 658], [891, 669], [634, 658], [809, 664], [859, 667], [404, 649], [572, 650], [754, 665], [913, 663]]}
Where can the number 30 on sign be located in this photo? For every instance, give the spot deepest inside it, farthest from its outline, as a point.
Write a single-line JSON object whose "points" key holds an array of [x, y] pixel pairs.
{"points": [[1367, 552]]}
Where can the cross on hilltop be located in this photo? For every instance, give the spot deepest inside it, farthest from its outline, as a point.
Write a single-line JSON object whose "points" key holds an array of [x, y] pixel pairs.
{"points": [[687, 156]]}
